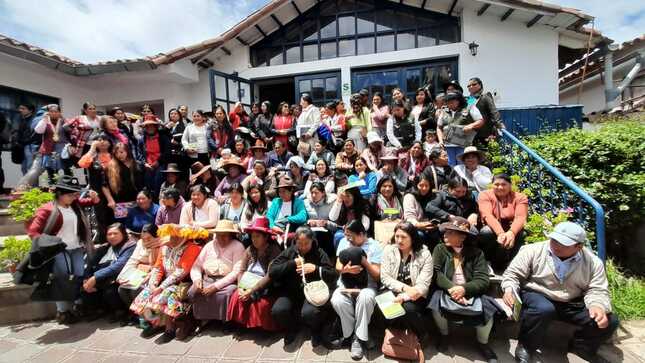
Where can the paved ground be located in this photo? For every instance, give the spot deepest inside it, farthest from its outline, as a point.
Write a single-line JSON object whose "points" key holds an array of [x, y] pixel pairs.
{"points": [[99, 341]]}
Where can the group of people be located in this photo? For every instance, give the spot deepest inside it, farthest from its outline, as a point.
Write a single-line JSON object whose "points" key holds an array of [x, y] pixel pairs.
{"points": [[196, 222]]}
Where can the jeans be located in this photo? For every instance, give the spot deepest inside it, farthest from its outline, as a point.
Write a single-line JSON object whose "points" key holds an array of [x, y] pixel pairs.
{"points": [[76, 261], [538, 312], [498, 256], [30, 153], [453, 151]]}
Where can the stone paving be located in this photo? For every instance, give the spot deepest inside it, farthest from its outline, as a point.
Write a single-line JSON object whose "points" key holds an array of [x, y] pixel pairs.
{"points": [[45, 342]]}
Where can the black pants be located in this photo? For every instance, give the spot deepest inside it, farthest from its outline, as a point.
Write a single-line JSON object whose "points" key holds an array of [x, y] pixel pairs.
{"points": [[414, 318], [105, 297], [498, 256], [538, 312], [286, 308], [128, 295]]}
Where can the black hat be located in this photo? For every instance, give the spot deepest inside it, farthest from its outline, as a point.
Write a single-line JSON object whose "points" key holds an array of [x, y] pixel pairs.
{"points": [[68, 184], [454, 84]]}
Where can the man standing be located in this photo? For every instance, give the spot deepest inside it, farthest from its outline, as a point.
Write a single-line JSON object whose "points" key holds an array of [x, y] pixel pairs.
{"points": [[560, 279], [25, 136]]}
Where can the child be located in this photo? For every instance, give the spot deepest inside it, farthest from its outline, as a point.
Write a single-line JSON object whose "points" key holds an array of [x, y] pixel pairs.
{"points": [[431, 141]]}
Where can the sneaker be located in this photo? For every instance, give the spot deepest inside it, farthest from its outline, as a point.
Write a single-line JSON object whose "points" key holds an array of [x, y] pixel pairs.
{"points": [[487, 352], [166, 337], [356, 350]]}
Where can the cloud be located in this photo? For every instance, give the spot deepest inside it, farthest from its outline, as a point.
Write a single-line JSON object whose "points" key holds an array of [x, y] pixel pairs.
{"points": [[620, 20], [92, 31]]}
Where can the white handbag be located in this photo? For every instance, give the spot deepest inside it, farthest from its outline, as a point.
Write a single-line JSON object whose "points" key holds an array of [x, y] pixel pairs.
{"points": [[316, 292]]}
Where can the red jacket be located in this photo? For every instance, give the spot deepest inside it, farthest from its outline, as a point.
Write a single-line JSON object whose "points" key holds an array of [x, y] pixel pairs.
{"points": [[39, 221]]}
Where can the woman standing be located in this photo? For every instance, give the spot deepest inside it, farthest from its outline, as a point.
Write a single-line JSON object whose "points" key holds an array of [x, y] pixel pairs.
{"points": [[123, 180], [222, 135], [80, 129], [406, 270], [485, 103], [214, 274], [358, 122], [64, 218], [308, 121], [302, 258], [379, 115], [261, 126], [402, 130], [195, 139], [201, 211], [460, 275], [423, 111], [176, 126], [283, 125], [237, 116], [250, 306], [457, 128], [50, 129]]}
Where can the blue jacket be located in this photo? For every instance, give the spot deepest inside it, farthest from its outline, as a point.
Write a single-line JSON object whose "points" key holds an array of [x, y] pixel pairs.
{"points": [[108, 273], [137, 217], [369, 189], [298, 215]]}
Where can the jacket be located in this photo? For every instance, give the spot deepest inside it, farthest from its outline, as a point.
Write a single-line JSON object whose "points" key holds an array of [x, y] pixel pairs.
{"points": [[533, 269], [24, 133], [164, 148], [420, 269], [500, 216], [137, 217], [39, 221], [107, 273], [288, 282], [492, 121], [298, 215], [444, 204], [321, 210], [474, 266]]}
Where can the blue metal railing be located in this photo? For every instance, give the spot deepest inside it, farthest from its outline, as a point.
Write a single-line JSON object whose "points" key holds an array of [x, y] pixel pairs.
{"points": [[551, 190]]}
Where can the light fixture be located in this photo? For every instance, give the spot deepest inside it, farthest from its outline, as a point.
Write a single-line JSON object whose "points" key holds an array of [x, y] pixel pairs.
{"points": [[473, 48]]}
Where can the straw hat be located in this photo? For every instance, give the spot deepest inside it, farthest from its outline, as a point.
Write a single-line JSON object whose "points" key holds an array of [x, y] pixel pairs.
{"points": [[198, 169], [471, 150], [226, 226]]}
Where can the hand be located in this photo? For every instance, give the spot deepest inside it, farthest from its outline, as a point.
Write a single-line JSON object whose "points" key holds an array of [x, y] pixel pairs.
{"points": [[501, 239], [89, 285], [199, 285], [457, 292], [210, 290], [598, 314], [361, 175], [307, 267], [351, 269], [461, 301], [111, 204], [277, 229], [468, 128], [221, 199], [399, 300], [156, 291], [148, 166], [509, 298], [509, 240], [94, 196], [472, 219], [244, 295], [410, 291]]}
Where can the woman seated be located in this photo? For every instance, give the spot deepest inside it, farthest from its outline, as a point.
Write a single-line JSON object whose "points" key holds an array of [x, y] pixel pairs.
{"points": [[213, 274], [345, 159], [233, 207], [263, 177], [353, 300], [406, 271], [478, 176], [416, 161], [241, 151], [322, 174], [318, 205], [137, 269], [234, 175], [456, 202], [251, 302], [439, 170], [201, 211], [503, 213], [259, 151], [163, 298], [286, 209], [291, 310], [349, 206], [100, 290], [298, 174], [172, 179], [144, 212], [388, 203], [461, 278], [390, 167], [321, 153], [256, 205], [367, 176], [414, 206]]}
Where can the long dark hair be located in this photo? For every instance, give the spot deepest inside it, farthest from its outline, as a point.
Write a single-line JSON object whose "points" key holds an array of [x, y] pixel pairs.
{"points": [[252, 207], [410, 230], [121, 227], [226, 124], [427, 98], [422, 199], [359, 207], [388, 178]]}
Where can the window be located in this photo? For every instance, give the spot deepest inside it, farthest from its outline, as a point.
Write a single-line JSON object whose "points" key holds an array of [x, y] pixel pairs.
{"points": [[334, 28], [11, 98], [322, 88]]}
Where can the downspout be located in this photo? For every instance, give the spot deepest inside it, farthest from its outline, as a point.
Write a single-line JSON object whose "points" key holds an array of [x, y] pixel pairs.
{"points": [[611, 92]]}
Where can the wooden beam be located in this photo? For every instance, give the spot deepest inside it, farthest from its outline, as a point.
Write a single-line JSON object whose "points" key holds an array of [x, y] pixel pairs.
{"points": [[423, 4], [242, 41], [260, 30], [275, 18], [228, 52], [296, 7], [483, 9], [534, 20], [452, 7], [506, 14]]}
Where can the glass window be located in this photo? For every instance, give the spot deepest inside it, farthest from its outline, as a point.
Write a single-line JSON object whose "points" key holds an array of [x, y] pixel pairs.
{"points": [[331, 88], [318, 88], [327, 27], [365, 23], [327, 8], [346, 25], [310, 29], [275, 56], [293, 54], [447, 35], [304, 86], [385, 43], [427, 37], [365, 45], [346, 5], [309, 52], [291, 33], [328, 50], [405, 40], [346, 47], [385, 20], [413, 79]]}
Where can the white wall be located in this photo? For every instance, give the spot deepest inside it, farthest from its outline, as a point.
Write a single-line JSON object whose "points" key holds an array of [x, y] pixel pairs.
{"points": [[592, 96]]}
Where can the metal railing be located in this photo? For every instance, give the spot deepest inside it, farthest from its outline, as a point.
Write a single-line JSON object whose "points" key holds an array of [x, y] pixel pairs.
{"points": [[550, 190]]}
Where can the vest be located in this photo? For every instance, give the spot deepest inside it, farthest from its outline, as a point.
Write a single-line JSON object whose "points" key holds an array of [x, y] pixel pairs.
{"points": [[404, 132], [452, 134]]}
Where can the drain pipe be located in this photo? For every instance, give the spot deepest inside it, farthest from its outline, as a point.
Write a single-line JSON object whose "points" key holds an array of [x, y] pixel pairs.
{"points": [[611, 92]]}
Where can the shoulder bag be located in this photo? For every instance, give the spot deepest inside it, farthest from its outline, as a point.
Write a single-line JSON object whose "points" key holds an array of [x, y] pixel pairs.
{"points": [[316, 292]]}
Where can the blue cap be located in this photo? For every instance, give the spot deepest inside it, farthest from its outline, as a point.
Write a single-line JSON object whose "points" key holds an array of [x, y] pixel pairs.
{"points": [[568, 234]]}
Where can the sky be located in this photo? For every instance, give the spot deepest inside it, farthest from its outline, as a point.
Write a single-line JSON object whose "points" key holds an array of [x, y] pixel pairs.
{"points": [[91, 30]]}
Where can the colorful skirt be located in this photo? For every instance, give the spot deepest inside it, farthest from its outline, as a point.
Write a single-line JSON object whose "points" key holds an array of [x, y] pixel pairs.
{"points": [[252, 313], [213, 306], [168, 302]]}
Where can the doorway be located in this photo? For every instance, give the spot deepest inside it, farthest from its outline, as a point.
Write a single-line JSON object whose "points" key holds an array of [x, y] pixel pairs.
{"points": [[276, 90]]}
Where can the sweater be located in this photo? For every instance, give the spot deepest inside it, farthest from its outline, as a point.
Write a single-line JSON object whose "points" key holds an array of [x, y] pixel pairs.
{"points": [[172, 215], [474, 266], [501, 216], [210, 207], [533, 269], [298, 215], [229, 255]]}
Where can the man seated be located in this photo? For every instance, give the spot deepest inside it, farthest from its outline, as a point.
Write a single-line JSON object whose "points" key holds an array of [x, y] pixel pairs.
{"points": [[560, 279]]}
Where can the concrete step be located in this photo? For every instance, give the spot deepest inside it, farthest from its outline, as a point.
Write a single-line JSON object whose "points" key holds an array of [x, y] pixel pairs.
{"points": [[14, 229], [16, 305], [5, 200]]}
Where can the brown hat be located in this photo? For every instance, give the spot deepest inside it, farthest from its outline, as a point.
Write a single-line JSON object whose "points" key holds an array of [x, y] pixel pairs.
{"points": [[198, 169], [226, 226], [389, 154], [458, 224], [172, 168], [232, 162], [259, 145], [286, 182]]}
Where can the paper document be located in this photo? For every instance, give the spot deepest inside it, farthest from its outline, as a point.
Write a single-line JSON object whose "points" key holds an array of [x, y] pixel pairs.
{"points": [[248, 280], [390, 309]]}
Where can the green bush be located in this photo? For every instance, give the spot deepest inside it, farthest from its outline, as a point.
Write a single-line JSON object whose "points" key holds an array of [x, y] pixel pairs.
{"points": [[14, 250], [627, 293], [23, 208]]}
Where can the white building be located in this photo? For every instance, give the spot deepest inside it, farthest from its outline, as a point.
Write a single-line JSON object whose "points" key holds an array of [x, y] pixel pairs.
{"points": [[328, 48]]}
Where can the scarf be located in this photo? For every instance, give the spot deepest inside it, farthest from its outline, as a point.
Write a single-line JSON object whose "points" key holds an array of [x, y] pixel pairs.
{"points": [[153, 248], [122, 138]]}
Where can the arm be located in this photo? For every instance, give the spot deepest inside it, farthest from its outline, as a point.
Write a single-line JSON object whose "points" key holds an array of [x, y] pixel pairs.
{"points": [[282, 266], [389, 270], [113, 270], [433, 209], [417, 131], [38, 222], [518, 270], [231, 277], [334, 212], [438, 261], [521, 213], [409, 209], [597, 293], [486, 204], [196, 269], [389, 131], [480, 281], [185, 263], [272, 213], [133, 261], [424, 279], [482, 176], [370, 180], [316, 122], [300, 216], [41, 126], [185, 217]]}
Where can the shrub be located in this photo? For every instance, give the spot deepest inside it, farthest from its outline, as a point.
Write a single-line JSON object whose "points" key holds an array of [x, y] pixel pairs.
{"points": [[627, 293], [23, 208], [14, 250]]}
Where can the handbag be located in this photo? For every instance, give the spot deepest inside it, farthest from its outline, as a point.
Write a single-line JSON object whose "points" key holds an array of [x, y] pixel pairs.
{"points": [[402, 345], [316, 292], [450, 307], [59, 288]]}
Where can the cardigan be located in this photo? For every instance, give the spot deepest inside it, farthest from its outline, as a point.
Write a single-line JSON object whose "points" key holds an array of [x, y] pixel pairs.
{"points": [[502, 216], [420, 269], [474, 266], [298, 212], [230, 255]]}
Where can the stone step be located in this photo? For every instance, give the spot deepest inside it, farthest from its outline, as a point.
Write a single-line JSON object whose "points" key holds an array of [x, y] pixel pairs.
{"points": [[16, 305], [5, 200], [14, 229]]}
